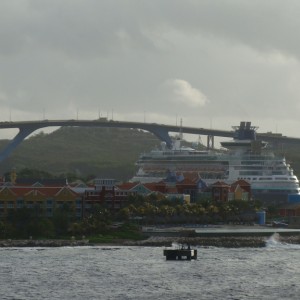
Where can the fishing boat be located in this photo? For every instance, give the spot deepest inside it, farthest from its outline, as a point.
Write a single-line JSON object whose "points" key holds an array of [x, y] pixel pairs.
{"points": [[181, 253]]}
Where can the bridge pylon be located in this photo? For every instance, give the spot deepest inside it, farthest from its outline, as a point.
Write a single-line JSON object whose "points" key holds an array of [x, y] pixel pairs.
{"points": [[210, 142]]}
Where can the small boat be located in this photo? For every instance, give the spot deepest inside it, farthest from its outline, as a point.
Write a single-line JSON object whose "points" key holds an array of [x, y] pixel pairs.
{"points": [[279, 224], [183, 253]]}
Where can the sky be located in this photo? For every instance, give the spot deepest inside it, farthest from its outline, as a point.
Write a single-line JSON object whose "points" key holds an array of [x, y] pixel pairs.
{"points": [[208, 63]]}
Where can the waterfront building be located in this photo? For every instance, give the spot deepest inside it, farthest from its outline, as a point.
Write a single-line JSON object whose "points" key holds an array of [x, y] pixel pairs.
{"points": [[240, 190], [220, 191], [44, 199], [105, 193], [290, 210]]}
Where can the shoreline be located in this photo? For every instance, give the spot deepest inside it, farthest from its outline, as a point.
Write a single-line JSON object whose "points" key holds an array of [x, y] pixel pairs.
{"points": [[10, 243], [224, 242], [212, 236], [160, 241]]}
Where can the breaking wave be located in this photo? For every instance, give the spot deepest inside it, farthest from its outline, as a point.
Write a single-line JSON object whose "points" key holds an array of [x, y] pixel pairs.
{"points": [[274, 242]]}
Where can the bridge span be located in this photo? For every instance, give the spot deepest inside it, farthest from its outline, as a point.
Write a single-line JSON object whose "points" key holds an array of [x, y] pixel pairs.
{"points": [[159, 130]]}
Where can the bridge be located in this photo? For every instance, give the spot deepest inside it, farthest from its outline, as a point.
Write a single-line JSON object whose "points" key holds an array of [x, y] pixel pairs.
{"points": [[161, 131]]}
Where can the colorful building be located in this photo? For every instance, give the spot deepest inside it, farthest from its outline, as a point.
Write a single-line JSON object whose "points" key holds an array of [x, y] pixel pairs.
{"points": [[44, 199]]}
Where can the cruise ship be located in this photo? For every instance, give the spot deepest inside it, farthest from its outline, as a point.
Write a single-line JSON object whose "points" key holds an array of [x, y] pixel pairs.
{"points": [[243, 157]]}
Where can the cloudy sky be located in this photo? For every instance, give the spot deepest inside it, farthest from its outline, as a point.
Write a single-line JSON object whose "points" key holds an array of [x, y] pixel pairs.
{"points": [[209, 63]]}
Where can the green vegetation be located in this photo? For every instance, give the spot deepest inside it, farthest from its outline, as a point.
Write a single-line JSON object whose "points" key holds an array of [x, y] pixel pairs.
{"points": [[127, 231], [153, 211], [79, 152], [82, 152], [104, 226], [98, 227]]}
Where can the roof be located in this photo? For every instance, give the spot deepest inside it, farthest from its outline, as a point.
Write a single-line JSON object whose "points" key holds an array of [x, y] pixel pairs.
{"points": [[220, 184], [241, 183], [187, 181], [44, 191], [236, 187], [192, 176], [41, 181], [127, 186]]}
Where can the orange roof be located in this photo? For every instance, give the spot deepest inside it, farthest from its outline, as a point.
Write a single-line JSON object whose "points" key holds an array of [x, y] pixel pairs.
{"points": [[45, 191], [187, 181], [192, 175], [150, 186], [241, 182], [7, 188], [127, 185], [234, 187], [154, 186]]}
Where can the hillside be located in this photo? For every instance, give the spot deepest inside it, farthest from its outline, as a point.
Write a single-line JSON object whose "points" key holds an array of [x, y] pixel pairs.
{"points": [[88, 152], [107, 152]]}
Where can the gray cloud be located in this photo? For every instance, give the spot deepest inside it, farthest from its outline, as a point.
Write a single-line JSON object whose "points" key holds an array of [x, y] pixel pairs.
{"points": [[63, 58]]}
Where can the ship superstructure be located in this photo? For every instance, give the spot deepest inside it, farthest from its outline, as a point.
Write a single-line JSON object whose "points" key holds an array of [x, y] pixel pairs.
{"points": [[245, 158], [271, 178]]}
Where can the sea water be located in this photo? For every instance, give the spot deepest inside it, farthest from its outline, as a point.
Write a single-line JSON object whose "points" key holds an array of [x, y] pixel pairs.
{"points": [[106, 272]]}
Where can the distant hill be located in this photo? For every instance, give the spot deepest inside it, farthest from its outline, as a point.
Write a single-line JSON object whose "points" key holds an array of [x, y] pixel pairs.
{"points": [[107, 152], [90, 152]]}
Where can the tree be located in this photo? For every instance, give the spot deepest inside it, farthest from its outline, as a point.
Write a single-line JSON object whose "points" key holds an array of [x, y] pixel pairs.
{"points": [[20, 220], [62, 217]]}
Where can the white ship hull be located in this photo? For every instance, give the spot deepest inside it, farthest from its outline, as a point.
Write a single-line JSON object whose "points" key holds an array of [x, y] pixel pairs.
{"points": [[245, 159]]}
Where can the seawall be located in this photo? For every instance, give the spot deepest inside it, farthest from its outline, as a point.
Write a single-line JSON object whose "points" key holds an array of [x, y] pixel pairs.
{"points": [[234, 236], [42, 243]]}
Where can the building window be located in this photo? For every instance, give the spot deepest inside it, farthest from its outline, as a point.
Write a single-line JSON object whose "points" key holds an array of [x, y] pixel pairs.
{"points": [[20, 203], [10, 205], [49, 203]]}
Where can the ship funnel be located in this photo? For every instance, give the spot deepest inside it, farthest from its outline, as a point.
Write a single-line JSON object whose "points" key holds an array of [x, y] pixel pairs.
{"points": [[245, 131]]}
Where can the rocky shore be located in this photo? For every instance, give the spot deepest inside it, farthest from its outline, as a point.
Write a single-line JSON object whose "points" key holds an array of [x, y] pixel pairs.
{"points": [[42, 243], [225, 242]]}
